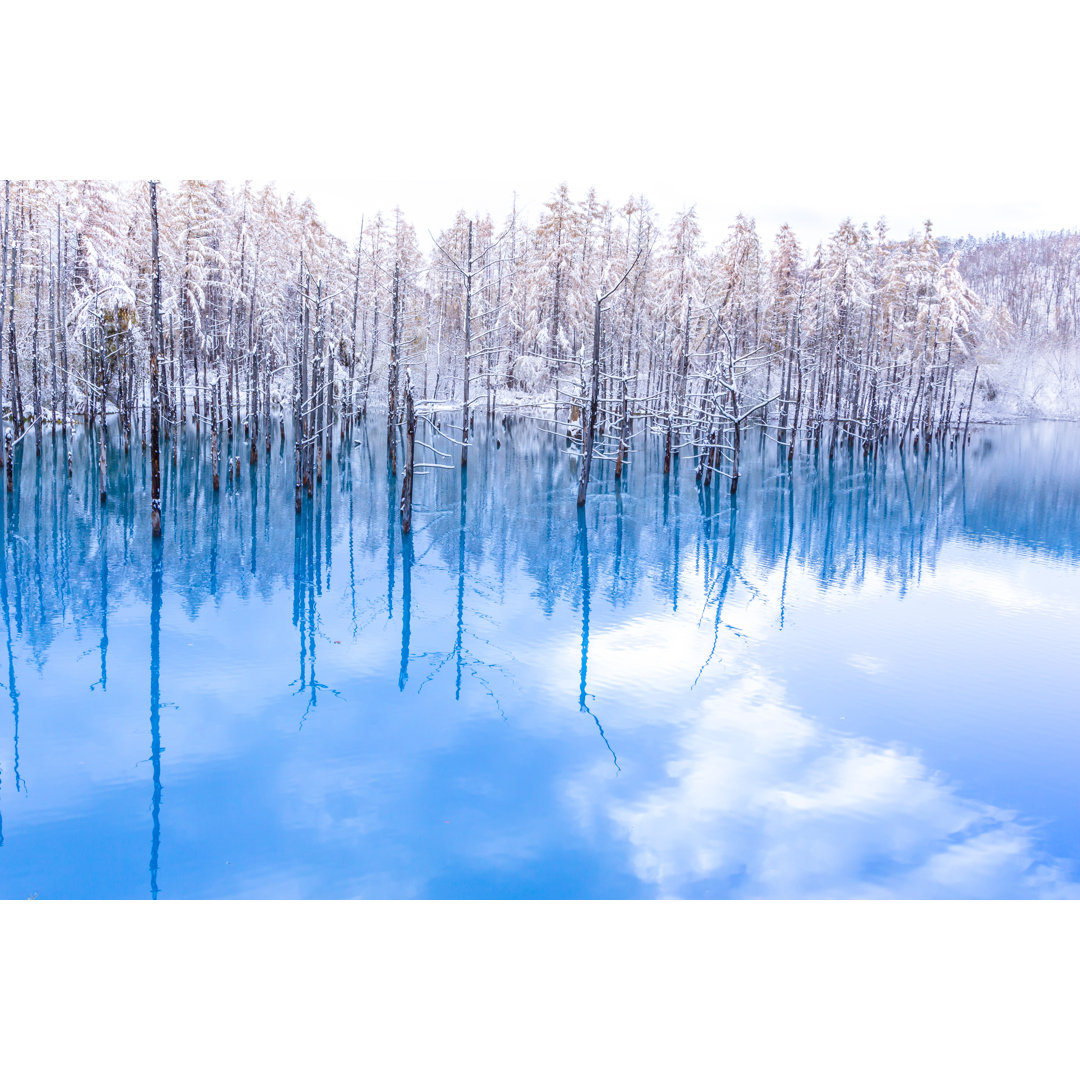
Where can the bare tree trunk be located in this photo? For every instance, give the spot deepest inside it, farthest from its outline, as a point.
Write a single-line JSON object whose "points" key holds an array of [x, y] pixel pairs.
{"points": [[183, 380], [349, 409], [4, 300], [297, 396], [410, 455], [328, 401], [971, 400], [63, 353], [392, 375], [155, 388], [13, 357], [214, 393], [468, 350], [588, 427], [54, 300], [317, 390], [35, 365], [102, 459], [305, 404], [374, 341], [298, 427], [253, 408], [736, 433]]}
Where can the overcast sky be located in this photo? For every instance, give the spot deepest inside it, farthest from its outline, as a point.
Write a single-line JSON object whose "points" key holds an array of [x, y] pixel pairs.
{"points": [[804, 113]]}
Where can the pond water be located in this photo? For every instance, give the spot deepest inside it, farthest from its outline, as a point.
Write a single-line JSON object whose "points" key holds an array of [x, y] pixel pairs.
{"points": [[856, 678]]}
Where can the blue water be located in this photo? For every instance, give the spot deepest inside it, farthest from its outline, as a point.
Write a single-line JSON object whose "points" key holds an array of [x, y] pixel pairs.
{"points": [[857, 678]]}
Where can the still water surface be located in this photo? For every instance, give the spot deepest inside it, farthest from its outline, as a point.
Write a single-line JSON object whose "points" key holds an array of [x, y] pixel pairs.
{"points": [[854, 679]]}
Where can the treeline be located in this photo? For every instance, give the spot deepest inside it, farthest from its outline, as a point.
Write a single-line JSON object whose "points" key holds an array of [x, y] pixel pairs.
{"points": [[264, 315], [1032, 281]]}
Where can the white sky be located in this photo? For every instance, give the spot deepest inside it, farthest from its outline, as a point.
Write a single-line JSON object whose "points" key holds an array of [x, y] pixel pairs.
{"points": [[964, 113]]}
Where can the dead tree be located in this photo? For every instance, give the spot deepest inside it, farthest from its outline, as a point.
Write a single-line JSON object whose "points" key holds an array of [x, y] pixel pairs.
{"points": [[410, 458], [588, 427], [474, 266], [392, 372], [155, 386]]}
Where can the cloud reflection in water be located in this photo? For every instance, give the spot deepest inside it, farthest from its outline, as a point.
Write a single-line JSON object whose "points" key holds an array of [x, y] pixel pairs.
{"points": [[762, 802]]}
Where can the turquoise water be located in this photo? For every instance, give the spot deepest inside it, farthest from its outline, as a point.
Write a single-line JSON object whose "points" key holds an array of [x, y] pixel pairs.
{"points": [[857, 678]]}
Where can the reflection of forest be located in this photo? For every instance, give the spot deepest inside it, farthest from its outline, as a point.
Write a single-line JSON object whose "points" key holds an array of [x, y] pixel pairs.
{"points": [[68, 559], [69, 562]]}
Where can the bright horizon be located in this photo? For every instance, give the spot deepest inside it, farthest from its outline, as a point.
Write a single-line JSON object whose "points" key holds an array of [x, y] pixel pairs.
{"points": [[787, 113], [343, 205]]}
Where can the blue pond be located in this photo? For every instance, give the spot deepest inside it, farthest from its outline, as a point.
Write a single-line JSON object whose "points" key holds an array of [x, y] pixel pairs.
{"points": [[857, 678]]}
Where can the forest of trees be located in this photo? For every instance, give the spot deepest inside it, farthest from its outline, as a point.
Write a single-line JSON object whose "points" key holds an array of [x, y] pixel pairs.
{"points": [[1032, 283], [236, 311]]}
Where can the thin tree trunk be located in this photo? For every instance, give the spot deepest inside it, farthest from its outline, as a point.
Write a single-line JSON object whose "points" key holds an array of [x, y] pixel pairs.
{"points": [[588, 433], [410, 454], [392, 375], [468, 357], [155, 388]]}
